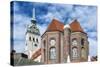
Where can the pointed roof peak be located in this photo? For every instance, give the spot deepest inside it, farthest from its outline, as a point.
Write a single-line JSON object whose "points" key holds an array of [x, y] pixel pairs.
{"points": [[55, 20], [55, 25], [75, 20], [75, 26]]}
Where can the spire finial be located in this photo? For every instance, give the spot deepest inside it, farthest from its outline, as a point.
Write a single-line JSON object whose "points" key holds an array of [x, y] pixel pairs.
{"points": [[33, 17]]}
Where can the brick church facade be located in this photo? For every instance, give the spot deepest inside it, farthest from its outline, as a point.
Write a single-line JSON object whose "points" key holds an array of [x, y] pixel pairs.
{"points": [[61, 41]]}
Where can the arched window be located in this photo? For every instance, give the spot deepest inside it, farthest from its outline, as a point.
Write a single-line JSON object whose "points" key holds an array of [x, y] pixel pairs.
{"points": [[33, 39], [35, 45], [44, 46], [74, 52], [29, 38], [37, 40], [83, 52], [52, 53], [82, 41]]}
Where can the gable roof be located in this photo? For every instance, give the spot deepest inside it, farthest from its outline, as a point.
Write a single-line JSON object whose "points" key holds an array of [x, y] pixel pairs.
{"points": [[75, 26], [55, 25], [36, 54]]}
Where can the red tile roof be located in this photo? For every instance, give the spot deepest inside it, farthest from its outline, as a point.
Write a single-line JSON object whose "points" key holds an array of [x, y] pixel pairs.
{"points": [[36, 54], [55, 25], [75, 26]]}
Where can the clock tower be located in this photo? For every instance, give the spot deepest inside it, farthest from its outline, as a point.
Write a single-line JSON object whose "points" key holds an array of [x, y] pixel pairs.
{"points": [[33, 39]]}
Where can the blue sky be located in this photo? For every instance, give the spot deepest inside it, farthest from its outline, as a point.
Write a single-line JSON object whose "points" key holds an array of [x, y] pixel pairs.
{"points": [[45, 12]]}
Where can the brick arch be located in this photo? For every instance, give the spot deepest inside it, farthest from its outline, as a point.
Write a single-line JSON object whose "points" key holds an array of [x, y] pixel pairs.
{"points": [[52, 53], [83, 52], [74, 52], [74, 39]]}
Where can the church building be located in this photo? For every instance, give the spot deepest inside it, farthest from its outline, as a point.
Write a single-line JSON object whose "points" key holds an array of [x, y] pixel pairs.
{"points": [[61, 41], [58, 44]]}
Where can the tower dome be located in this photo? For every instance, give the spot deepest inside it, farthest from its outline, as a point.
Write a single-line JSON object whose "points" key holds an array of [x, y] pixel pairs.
{"points": [[32, 28]]}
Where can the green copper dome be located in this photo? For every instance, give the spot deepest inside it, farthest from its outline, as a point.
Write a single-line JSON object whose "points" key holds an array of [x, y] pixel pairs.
{"points": [[32, 28]]}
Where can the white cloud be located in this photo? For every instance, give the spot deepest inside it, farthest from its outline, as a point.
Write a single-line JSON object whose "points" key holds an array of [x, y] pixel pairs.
{"points": [[92, 47], [19, 46], [89, 23], [20, 23], [19, 32], [48, 17], [92, 35], [42, 28], [15, 7], [57, 12], [87, 17], [21, 19]]}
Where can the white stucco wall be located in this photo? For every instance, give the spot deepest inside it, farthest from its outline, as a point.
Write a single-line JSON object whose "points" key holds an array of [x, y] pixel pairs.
{"points": [[30, 48]]}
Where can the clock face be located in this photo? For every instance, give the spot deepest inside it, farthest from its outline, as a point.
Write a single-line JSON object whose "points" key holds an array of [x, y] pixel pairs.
{"points": [[74, 42], [52, 42]]}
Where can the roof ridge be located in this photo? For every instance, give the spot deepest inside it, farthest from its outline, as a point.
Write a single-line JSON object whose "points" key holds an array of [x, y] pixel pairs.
{"points": [[75, 26], [55, 25]]}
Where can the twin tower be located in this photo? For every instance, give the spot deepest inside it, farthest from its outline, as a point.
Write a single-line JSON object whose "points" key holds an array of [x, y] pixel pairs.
{"points": [[58, 43]]}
